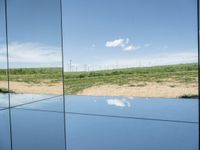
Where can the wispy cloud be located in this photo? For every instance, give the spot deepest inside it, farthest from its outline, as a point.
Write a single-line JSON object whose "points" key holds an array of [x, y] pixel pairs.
{"points": [[131, 48], [117, 43], [124, 44], [31, 53]]}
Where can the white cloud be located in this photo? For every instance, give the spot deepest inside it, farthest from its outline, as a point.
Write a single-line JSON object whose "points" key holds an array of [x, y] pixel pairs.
{"points": [[119, 102], [131, 48], [31, 53], [117, 43], [123, 44]]}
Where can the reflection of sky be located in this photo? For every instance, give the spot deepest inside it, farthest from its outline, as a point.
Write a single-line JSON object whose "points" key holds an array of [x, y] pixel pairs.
{"points": [[156, 108], [27, 54], [19, 99], [105, 132], [33, 33], [34, 21], [107, 32]]}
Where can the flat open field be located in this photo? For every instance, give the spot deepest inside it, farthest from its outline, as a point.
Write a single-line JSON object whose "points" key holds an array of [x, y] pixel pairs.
{"points": [[160, 81]]}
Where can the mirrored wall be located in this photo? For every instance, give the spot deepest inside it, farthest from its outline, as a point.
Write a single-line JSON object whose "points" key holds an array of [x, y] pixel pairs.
{"points": [[35, 118], [127, 63], [4, 101], [5, 138], [35, 53]]}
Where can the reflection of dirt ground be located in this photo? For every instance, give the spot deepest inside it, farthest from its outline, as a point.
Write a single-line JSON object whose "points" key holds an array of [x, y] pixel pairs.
{"points": [[22, 87], [147, 90]]}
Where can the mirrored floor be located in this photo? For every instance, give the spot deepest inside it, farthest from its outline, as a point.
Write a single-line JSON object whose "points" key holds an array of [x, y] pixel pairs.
{"points": [[103, 123], [183, 110], [4, 102], [4, 130]]}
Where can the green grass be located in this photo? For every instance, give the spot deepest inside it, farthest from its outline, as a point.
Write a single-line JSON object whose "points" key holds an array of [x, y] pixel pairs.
{"points": [[33, 75], [77, 81], [3, 90], [183, 73]]}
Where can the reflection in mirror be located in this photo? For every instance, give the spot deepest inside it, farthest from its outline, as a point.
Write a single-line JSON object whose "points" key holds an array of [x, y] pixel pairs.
{"points": [[35, 67], [5, 143], [4, 102], [34, 50], [115, 48], [5, 139], [38, 130], [118, 102]]}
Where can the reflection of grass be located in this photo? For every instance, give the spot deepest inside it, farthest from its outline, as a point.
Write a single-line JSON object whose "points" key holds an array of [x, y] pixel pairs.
{"points": [[188, 96], [77, 81], [3, 90], [33, 75]]}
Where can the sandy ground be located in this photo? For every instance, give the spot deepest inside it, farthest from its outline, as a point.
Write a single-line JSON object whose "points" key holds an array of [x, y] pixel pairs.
{"points": [[149, 90], [22, 87], [167, 90]]}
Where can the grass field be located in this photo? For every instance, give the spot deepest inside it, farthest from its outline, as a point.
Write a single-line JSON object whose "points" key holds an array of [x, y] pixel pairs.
{"points": [[184, 74], [75, 82], [33, 75]]}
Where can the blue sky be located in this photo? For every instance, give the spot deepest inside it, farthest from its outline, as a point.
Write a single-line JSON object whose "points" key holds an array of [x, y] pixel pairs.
{"points": [[104, 32], [154, 29]]}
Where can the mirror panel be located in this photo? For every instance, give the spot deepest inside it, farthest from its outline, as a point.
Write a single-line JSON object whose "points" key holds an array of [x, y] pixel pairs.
{"points": [[5, 138], [35, 53], [4, 101], [35, 59]]}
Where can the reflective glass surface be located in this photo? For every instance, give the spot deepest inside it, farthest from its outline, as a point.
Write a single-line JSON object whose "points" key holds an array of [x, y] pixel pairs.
{"points": [[96, 123], [35, 67], [35, 56], [183, 110], [37, 130], [115, 54], [4, 102], [89, 132], [5, 143]]}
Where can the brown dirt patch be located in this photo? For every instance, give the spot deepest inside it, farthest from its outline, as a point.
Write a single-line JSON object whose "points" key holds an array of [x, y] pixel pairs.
{"points": [[164, 90], [42, 88]]}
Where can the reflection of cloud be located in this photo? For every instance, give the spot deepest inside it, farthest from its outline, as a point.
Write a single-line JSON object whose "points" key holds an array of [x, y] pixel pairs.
{"points": [[119, 102], [18, 99], [131, 97], [30, 53]]}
